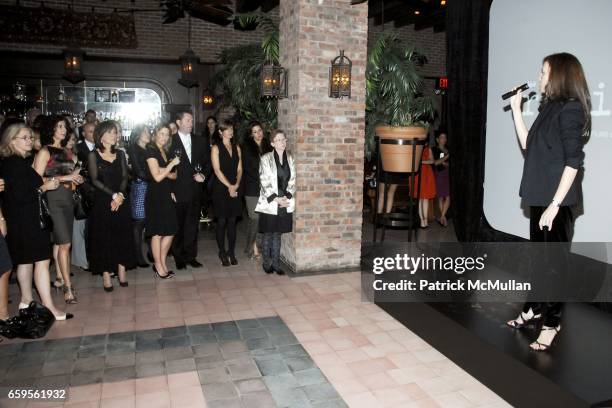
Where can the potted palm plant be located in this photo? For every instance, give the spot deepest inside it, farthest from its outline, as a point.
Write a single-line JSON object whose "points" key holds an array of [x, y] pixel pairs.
{"points": [[395, 105]]}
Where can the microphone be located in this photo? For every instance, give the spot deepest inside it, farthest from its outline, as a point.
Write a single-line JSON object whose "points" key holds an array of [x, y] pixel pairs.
{"points": [[521, 88]]}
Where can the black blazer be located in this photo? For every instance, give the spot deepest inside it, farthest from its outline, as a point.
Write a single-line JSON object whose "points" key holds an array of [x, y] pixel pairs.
{"points": [[554, 141], [186, 189], [82, 153]]}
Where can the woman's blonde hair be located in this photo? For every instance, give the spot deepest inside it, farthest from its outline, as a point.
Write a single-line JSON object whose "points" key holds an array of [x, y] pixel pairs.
{"points": [[9, 134], [156, 130]]}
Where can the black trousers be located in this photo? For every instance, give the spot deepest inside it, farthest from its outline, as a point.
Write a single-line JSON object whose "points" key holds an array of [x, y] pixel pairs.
{"points": [[562, 231], [185, 244]]}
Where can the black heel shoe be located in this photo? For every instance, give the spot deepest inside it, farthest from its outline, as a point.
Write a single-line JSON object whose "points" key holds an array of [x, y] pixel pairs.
{"points": [[223, 257], [268, 270], [168, 276], [108, 288], [232, 259]]}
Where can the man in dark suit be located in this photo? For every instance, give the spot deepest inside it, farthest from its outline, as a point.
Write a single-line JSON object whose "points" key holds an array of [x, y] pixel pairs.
{"points": [[194, 154], [83, 148]]}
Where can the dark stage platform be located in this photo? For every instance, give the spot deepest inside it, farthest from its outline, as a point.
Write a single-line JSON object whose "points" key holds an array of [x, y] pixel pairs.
{"points": [[577, 372]]}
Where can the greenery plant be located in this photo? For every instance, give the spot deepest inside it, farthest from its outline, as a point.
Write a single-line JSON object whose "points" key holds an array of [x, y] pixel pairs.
{"points": [[239, 79], [394, 88]]}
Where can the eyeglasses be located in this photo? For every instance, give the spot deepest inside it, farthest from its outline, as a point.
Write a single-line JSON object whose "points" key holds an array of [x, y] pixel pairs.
{"points": [[24, 138]]}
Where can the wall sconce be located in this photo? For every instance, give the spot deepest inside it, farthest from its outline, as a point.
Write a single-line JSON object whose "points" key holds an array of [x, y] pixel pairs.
{"points": [[73, 65], [188, 63], [208, 99], [340, 77], [273, 81]]}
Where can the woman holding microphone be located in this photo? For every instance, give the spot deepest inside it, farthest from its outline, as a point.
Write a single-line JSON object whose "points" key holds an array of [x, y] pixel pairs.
{"points": [[553, 150]]}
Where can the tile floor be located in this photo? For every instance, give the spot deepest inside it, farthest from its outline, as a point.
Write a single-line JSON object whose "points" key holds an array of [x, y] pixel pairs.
{"points": [[369, 359]]}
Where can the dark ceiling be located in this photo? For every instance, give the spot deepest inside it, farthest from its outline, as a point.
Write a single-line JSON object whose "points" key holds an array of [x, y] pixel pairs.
{"points": [[393, 13], [398, 13]]}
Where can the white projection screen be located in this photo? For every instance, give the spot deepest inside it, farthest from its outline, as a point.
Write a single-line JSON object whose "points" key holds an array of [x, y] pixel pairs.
{"points": [[521, 34]]}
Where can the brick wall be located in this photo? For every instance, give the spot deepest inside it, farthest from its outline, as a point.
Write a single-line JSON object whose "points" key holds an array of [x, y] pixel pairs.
{"points": [[326, 135], [154, 39]]}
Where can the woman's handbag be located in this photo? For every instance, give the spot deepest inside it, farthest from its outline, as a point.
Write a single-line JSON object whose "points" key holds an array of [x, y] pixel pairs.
{"points": [[137, 199], [32, 322], [44, 216], [81, 205]]}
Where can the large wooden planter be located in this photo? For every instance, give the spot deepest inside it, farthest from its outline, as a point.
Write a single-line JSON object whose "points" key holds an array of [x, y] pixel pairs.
{"points": [[398, 157]]}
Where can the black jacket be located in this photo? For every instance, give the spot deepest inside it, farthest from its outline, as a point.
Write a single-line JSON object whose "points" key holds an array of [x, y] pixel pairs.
{"points": [[554, 141], [186, 188]]}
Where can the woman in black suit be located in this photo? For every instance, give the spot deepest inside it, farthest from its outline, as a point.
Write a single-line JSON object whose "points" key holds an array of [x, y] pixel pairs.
{"points": [[28, 243], [553, 156], [253, 146]]}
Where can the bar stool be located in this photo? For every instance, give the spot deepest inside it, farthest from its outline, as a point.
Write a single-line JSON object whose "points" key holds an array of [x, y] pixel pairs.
{"points": [[397, 219]]}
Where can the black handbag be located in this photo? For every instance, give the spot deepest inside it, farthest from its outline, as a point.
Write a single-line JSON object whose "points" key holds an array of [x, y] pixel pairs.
{"points": [[44, 216], [81, 205], [32, 322]]}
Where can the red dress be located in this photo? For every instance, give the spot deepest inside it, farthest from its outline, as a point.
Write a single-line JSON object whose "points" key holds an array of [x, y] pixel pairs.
{"points": [[428, 182]]}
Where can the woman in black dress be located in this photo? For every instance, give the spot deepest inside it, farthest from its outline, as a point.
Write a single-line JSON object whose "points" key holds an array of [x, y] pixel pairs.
{"points": [[161, 223], [27, 243], [276, 200], [227, 165], [253, 146], [5, 265], [554, 155], [110, 221], [139, 139], [55, 160]]}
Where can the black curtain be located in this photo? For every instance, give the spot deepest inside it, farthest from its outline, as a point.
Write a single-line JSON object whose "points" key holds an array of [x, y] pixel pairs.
{"points": [[467, 33]]}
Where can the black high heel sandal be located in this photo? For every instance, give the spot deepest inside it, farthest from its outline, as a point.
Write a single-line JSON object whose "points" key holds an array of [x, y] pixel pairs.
{"points": [[537, 346], [168, 276], [524, 319], [232, 259]]}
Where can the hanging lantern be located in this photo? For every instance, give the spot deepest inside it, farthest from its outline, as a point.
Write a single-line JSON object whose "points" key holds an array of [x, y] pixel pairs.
{"points": [[188, 64], [208, 99], [273, 81], [340, 77], [73, 65]]}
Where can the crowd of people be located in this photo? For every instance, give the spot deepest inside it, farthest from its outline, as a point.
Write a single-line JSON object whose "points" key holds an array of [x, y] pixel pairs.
{"points": [[80, 195]]}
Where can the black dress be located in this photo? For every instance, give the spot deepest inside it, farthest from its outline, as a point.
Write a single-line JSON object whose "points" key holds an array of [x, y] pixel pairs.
{"points": [[27, 242], [283, 221], [224, 205], [159, 206], [110, 232]]}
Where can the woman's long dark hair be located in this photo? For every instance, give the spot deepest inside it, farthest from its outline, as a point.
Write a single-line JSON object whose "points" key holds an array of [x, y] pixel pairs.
{"points": [[214, 137], [136, 132], [249, 143], [100, 130], [47, 130], [566, 81]]}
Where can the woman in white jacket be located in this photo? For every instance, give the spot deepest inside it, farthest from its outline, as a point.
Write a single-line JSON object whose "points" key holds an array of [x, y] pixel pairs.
{"points": [[276, 199]]}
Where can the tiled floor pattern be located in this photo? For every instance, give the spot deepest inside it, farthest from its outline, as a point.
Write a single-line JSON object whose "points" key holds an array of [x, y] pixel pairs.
{"points": [[251, 363], [370, 359]]}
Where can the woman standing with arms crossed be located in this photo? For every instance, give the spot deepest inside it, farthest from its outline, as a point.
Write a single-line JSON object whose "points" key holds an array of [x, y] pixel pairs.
{"points": [[227, 165], [161, 223], [276, 200], [110, 221], [254, 145], [28, 243], [55, 160], [553, 155]]}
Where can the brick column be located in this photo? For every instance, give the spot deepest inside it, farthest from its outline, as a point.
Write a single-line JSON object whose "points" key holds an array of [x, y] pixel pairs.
{"points": [[326, 135]]}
